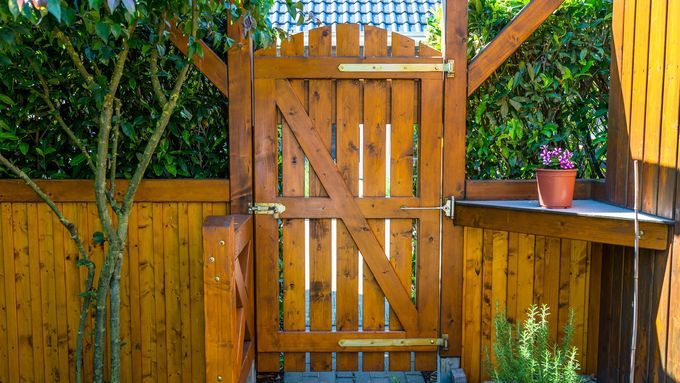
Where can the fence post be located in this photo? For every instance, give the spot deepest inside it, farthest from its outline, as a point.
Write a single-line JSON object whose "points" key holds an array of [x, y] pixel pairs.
{"points": [[219, 300]]}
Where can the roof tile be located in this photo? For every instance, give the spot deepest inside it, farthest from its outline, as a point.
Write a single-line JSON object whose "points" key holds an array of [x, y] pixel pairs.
{"points": [[397, 15]]}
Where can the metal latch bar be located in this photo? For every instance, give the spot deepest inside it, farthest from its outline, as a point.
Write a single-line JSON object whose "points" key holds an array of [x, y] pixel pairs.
{"points": [[447, 67], [446, 208], [395, 342], [271, 208]]}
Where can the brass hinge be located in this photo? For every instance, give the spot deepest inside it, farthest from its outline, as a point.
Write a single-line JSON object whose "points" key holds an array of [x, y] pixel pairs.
{"points": [[396, 342], [271, 208], [447, 67]]}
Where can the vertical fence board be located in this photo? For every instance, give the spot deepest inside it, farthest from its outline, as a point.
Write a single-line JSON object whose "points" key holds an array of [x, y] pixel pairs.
{"points": [[402, 119], [293, 241], [320, 295], [348, 118], [375, 119], [548, 271]]}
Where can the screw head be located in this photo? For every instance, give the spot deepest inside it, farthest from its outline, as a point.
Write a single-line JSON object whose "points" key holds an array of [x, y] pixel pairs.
{"points": [[221, 243], [211, 259], [219, 378], [217, 278]]}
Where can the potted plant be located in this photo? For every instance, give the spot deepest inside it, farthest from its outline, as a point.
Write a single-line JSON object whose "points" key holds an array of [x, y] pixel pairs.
{"points": [[556, 179], [524, 353]]}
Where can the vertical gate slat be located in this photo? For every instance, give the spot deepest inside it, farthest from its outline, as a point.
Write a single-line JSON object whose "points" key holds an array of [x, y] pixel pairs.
{"points": [[430, 151], [348, 120], [267, 252], [401, 181], [293, 184], [375, 116], [320, 111]]}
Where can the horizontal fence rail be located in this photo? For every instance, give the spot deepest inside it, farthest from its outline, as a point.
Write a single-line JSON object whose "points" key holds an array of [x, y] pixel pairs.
{"points": [[228, 293]]}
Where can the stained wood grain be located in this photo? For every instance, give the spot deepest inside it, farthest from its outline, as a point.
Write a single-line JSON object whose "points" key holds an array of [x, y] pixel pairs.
{"points": [[549, 270]]}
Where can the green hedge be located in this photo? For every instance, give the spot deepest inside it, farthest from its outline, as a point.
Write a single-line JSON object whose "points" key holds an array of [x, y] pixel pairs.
{"points": [[195, 143], [553, 90]]}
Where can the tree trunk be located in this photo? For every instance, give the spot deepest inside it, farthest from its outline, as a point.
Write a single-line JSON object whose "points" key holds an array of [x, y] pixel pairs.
{"points": [[105, 275], [114, 325]]}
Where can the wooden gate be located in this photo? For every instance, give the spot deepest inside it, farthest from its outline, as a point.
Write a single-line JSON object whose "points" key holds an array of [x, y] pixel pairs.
{"points": [[345, 152]]}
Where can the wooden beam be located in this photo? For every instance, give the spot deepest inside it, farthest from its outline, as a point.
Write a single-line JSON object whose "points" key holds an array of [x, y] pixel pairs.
{"points": [[328, 67], [240, 119], [551, 224], [508, 40], [455, 104], [517, 189], [211, 65], [178, 190]]}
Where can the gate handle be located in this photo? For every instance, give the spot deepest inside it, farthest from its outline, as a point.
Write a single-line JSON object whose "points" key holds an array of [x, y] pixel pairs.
{"points": [[447, 207]]}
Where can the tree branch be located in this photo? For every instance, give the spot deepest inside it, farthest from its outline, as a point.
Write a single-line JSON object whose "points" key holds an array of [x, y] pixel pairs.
{"points": [[64, 221], [83, 260], [113, 161], [101, 194], [168, 109], [89, 80], [45, 95], [155, 82]]}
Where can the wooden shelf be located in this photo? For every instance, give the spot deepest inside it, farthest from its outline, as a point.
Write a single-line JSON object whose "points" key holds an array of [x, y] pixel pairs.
{"points": [[586, 220]]}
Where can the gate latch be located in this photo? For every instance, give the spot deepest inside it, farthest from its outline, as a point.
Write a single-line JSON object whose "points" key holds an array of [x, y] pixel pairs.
{"points": [[446, 208], [271, 208]]}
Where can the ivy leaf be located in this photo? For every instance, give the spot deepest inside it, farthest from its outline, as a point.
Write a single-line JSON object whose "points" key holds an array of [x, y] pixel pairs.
{"points": [[98, 238], [14, 7], [129, 5], [6, 99], [112, 4], [103, 30], [77, 160], [116, 30], [95, 4], [54, 7]]}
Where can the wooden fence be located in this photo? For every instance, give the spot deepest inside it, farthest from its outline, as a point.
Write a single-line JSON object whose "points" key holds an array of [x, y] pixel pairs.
{"points": [[644, 110], [162, 288], [229, 291], [510, 271]]}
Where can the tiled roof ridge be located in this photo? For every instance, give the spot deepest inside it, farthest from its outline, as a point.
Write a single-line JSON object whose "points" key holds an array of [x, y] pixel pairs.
{"points": [[405, 16]]}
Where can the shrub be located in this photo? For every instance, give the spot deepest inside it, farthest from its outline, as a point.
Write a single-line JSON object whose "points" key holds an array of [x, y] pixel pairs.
{"points": [[554, 89], [524, 354]]}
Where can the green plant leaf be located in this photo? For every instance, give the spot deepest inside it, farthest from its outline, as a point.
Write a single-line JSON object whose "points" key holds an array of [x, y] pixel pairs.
{"points": [[23, 148], [6, 99], [97, 238], [103, 29], [54, 7]]}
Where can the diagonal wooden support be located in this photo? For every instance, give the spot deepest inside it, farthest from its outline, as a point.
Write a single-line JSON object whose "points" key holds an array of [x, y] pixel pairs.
{"points": [[324, 166], [211, 65], [508, 40]]}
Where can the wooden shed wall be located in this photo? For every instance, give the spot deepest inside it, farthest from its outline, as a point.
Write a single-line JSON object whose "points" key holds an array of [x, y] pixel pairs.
{"points": [[505, 270], [162, 288], [643, 125]]}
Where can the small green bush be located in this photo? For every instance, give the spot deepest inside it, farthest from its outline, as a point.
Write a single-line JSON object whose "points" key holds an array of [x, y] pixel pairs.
{"points": [[524, 354], [552, 91]]}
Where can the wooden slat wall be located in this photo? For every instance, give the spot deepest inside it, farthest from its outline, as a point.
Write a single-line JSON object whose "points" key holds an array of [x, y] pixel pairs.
{"points": [[515, 270], [162, 288], [644, 108]]}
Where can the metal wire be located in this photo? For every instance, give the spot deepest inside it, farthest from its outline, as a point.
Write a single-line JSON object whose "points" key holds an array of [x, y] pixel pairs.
{"points": [[636, 261]]}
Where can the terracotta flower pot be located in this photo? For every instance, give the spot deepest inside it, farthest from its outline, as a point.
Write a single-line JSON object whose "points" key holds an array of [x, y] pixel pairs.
{"points": [[555, 187]]}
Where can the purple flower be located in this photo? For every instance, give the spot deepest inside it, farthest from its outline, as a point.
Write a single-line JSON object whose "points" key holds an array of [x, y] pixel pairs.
{"points": [[556, 158]]}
